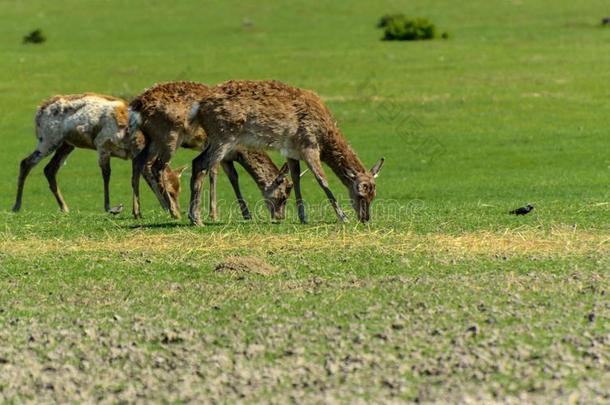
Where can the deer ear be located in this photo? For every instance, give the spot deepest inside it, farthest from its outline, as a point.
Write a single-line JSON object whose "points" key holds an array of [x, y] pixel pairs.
{"points": [[377, 168], [180, 170], [281, 175]]}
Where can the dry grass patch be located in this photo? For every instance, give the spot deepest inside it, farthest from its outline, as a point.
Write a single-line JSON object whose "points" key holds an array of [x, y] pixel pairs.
{"points": [[559, 241]]}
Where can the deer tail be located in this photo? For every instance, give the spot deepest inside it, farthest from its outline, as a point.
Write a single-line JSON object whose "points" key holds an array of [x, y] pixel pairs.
{"points": [[193, 114], [135, 120]]}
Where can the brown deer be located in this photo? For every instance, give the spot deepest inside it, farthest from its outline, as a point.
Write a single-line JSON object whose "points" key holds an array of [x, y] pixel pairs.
{"points": [[90, 121], [161, 113], [272, 115]]}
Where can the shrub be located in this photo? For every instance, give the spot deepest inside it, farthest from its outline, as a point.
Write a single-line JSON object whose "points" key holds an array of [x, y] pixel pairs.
{"points": [[409, 29], [383, 21], [34, 37]]}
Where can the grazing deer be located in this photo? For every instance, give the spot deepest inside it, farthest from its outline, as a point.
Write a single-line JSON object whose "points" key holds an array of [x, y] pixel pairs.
{"points": [[270, 114], [161, 113], [90, 121]]}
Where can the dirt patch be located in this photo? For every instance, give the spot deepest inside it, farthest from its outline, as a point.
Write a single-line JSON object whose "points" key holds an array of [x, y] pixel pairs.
{"points": [[242, 265]]}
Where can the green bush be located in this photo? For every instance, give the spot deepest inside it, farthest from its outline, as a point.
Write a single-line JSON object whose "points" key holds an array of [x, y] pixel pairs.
{"points": [[400, 27], [34, 37], [383, 21], [409, 29]]}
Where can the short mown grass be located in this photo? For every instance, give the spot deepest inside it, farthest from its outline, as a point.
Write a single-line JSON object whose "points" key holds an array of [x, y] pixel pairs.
{"points": [[443, 297]]}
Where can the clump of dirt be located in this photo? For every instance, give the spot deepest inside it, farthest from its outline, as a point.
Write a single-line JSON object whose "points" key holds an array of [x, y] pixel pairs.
{"points": [[242, 265]]}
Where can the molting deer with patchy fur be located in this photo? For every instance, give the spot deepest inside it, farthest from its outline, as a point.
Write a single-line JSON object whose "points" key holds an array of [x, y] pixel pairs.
{"points": [[90, 121], [161, 113], [270, 114]]}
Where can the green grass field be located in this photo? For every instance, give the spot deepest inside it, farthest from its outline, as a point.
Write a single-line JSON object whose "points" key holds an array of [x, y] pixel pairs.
{"points": [[443, 297]]}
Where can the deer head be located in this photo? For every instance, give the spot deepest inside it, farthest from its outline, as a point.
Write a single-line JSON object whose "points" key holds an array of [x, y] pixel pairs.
{"points": [[171, 189], [362, 190], [277, 193]]}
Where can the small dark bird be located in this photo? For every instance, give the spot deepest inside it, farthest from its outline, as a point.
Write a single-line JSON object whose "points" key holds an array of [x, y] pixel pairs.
{"points": [[116, 210], [522, 210], [606, 21]]}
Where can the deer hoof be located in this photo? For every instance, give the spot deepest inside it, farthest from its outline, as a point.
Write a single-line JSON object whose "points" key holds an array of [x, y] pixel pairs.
{"points": [[196, 221]]}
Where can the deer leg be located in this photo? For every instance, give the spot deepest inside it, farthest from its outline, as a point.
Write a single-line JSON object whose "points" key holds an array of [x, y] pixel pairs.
{"points": [[150, 167], [160, 188], [210, 157], [312, 158], [51, 169], [213, 207], [153, 175], [229, 169], [104, 163], [164, 156], [137, 166], [155, 170], [143, 162], [199, 166], [24, 169], [295, 174]]}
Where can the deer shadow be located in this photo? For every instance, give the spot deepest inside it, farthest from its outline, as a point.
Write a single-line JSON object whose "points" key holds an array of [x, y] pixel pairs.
{"points": [[170, 225]]}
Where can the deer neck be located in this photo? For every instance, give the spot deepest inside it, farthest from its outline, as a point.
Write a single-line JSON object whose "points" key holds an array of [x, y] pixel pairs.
{"points": [[259, 166], [342, 159]]}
